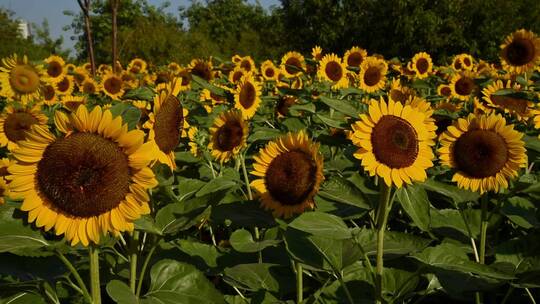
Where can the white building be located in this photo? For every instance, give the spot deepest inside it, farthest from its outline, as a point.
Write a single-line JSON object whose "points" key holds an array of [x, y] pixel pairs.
{"points": [[24, 28]]}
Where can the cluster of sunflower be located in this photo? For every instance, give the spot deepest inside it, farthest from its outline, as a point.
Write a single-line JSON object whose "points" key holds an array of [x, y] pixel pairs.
{"points": [[84, 169]]}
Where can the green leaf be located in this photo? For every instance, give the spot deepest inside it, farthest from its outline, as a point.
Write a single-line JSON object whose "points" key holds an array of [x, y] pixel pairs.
{"points": [[340, 105], [207, 253], [129, 113], [206, 85], [531, 143], [414, 200], [188, 187], [177, 217], [146, 223], [451, 218], [456, 194], [243, 214], [121, 293], [215, 185], [242, 241], [176, 282], [261, 276], [520, 257], [321, 224], [293, 124], [395, 242], [185, 157], [263, 134], [15, 236], [340, 124], [521, 211], [341, 190], [23, 298], [421, 84], [140, 93]]}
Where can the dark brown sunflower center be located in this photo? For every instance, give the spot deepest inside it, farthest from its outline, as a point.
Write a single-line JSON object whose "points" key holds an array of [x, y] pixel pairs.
{"points": [[467, 61], [24, 79], [442, 122], [247, 95], [372, 76], [520, 51], [186, 78], [135, 69], [355, 59], [446, 91], [291, 177], [464, 86], [89, 87], [457, 64], [54, 69], [246, 65], [422, 65], [293, 65], [397, 95], [520, 106], [284, 104], [395, 142], [16, 125], [83, 175], [202, 70], [334, 71], [113, 85], [168, 124], [63, 85], [48, 92], [480, 153], [269, 72], [229, 136]]}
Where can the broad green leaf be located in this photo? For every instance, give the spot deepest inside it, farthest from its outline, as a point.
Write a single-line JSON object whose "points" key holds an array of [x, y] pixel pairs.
{"points": [[129, 113], [263, 134], [521, 211], [332, 122], [121, 293], [293, 124], [343, 106], [147, 223], [520, 257], [140, 93], [207, 253], [181, 216], [468, 221], [322, 224], [456, 194], [176, 282], [185, 157], [188, 187], [261, 276], [532, 143], [242, 214], [395, 242], [242, 240], [341, 190], [415, 202], [23, 298], [15, 236], [215, 185], [206, 85]]}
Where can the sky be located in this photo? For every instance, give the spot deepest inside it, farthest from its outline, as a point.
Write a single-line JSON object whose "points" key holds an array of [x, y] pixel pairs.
{"points": [[35, 11]]}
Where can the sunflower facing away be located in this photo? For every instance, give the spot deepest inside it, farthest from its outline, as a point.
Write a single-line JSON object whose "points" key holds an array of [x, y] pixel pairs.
{"points": [[247, 96], [484, 151], [394, 142], [14, 123], [228, 135], [333, 70], [521, 108], [89, 181], [422, 65], [289, 171], [520, 52], [293, 64], [372, 74], [20, 79]]}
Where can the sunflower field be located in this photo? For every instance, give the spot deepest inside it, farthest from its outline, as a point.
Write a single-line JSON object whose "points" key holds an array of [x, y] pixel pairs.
{"points": [[315, 178]]}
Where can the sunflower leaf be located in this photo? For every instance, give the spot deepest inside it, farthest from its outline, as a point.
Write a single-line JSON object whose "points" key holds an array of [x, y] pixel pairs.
{"points": [[340, 105], [120, 292], [15, 235], [242, 241], [415, 202]]}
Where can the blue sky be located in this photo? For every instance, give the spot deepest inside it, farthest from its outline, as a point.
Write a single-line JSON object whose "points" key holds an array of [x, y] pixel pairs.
{"points": [[35, 11]]}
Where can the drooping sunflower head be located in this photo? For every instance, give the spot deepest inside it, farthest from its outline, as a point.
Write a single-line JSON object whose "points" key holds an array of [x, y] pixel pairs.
{"points": [[521, 108], [520, 52], [202, 68], [137, 66], [293, 64], [55, 67], [484, 151], [463, 85], [289, 171], [372, 75], [354, 56], [394, 142], [422, 64], [87, 182], [269, 71], [247, 96], [20, 79], [15, 122], [333, 70], [112, 85], [228, 135]]}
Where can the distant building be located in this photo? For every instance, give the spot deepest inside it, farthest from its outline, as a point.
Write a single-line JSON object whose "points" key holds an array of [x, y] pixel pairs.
{"points": [[24, 28]]}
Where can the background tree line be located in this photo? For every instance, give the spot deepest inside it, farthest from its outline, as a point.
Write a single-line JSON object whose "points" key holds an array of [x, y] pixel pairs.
{"points": [[222, 28]]}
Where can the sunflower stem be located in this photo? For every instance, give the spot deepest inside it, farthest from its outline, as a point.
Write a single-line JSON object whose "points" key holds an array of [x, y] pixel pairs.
{"points": [[95, 286], [299, 283], [382, 218], [507, 295], [246, 177], [134, 246], [143, 269], [75, 274], [483, 228]]}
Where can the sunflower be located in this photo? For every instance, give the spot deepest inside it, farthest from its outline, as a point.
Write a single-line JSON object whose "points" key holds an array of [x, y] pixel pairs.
{"points": [[463, 85], [354, 56], [293, 64], [284, 103], [269, 71], [484, 151], [236, 74], [15, 122], [174, 67], [399, 93], [65, 85], [89, 181], [112, 85], [137, 66], [521, 108], [228, 135], [520, 52], [104, 69], [290, 171], [72, 102], [215, 99], [333, 70], [129, 80], [185, 76], [316, 53], [80, 74], [236, 59], [422, 65], [372, 74], [55, 67], [90, 87], [202, 68], [394, 142], [49, 95], [444, 90], [247, 96], [70, 67], [166, 124], [20, 79], [462, 62], [192, 136], [247, 64]]}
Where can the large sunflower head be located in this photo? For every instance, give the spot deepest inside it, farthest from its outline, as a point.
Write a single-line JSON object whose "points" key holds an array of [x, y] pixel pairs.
{"points": [[20, 79], [422, 65], [354, 56], [15, 122], [394, 142], [372, 75], [89, 181], [290, 171], [55, 67], [112, 85], [293, 64], [463, 85], [247, 96], [228, 135], [137, 66], [521, 108], [484, 151], [202, 68], [333, 70], [520, 52]]}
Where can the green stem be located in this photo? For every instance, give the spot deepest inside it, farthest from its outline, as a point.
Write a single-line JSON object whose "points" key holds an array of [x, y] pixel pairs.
{"points": [[299, 283], [483, 228], [530, 295], [346, 289], [143, 269], [212, 168], [246, 177], [507, 295], [95, 286], [75, 274], [134, 249], [382, 218]]}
